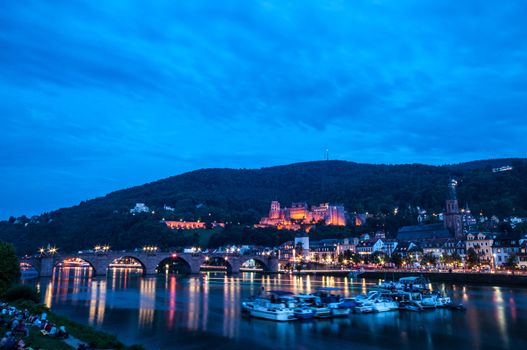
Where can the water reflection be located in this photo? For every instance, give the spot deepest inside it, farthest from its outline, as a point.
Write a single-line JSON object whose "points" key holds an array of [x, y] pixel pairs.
{"points": [[97, 302], [198, 311], [147, 301]]}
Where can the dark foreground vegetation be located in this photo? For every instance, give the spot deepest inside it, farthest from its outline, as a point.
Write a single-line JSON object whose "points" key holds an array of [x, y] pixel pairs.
{"points": [[24, 297]]}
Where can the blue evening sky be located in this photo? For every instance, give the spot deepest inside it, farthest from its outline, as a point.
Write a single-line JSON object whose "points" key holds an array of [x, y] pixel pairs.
{"points": [[102, 95]]}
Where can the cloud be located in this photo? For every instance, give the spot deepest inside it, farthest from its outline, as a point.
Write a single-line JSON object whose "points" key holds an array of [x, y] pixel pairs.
{"points": [[97, 91]]}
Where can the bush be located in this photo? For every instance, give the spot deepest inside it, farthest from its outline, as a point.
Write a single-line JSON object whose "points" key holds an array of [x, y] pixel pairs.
{"points": [[31, 306], [22, 292], [9, 266]]}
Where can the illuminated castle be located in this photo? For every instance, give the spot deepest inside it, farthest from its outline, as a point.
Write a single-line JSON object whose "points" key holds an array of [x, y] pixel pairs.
{"points": [[299, 214]]}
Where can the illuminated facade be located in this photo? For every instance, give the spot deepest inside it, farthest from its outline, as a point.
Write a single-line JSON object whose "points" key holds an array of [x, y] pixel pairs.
{"points": [[190, 225], [481, 242], [300, 214]]}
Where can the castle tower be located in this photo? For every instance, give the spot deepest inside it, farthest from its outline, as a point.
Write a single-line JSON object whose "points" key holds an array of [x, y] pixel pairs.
{"points": [[453, 218], [274, 212]]}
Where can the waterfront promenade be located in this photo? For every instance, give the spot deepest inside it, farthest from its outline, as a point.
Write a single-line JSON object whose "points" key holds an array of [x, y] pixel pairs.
{"points": [[516, 278]]}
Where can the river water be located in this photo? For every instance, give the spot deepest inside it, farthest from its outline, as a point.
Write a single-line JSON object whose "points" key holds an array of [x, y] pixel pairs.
{"points": [[182, 312]]}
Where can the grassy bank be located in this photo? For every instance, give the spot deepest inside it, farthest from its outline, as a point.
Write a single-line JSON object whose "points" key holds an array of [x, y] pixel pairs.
{"points": [[85, 334]]}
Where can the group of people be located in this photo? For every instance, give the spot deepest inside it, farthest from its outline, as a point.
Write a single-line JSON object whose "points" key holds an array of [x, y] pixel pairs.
{"points": [[16, 323]]}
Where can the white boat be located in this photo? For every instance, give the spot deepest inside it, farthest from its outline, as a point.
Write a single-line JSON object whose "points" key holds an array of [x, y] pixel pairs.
{"points": [[429, 302], [264, 308], [337, 310], [383, 305], [442, 299], [364, 308], [412, 306], [314, 303], [411, 301], [364, 303]]}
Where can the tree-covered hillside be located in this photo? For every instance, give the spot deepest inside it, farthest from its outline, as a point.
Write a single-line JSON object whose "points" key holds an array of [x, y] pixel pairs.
{"points": [[244, 195]]}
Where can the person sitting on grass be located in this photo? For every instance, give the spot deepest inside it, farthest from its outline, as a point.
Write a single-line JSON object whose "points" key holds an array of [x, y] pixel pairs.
{"points": [[22, 328], [62, 333], [21, 345], [8, 342], [37, 322]]}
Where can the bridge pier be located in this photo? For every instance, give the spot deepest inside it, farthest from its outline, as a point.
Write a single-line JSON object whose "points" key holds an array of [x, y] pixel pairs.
{"points": [[47, 264], [272, 264]]}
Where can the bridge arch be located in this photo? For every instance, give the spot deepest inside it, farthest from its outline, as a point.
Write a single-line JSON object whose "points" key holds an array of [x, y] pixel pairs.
{"points": [[217, 261], [63, 260], [174, 264], [257, 259], [72, 261], [127, 261]]}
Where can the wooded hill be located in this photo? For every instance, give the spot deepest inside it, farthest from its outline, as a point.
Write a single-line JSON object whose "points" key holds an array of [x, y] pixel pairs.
{"points": [[244, 195]]}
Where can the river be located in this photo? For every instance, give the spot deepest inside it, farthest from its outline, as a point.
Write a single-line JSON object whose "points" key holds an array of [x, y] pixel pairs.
{"points": [[194, 312]]}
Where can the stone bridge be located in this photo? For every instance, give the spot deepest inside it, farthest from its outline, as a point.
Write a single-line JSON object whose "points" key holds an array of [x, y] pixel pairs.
{"points": [[149, 261]]}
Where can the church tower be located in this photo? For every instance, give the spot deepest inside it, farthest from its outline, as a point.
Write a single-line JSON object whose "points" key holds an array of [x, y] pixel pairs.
{"points": [[453, 218]]}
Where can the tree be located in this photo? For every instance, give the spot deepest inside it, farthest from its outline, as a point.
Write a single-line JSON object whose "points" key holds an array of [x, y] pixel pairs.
{"points": [[397, 259], [472, 257], [379, 257], [9, 266], [456, 259], [428, 259], [512, 262]]}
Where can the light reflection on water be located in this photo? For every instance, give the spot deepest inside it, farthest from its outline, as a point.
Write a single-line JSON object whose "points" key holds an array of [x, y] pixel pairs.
{"points": [[161, 311]]}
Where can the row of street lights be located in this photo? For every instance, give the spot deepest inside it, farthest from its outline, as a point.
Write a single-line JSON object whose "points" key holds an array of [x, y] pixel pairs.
{"points": [[101, 248], [150, 249], [49, 250]]}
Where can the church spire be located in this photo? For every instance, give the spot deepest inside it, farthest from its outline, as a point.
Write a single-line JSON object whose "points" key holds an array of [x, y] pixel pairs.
{"points": [[452, 189]]}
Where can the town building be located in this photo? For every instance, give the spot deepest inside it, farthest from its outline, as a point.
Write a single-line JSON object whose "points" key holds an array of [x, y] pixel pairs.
{"points": [[433, 247], [324, 251], [286, 251], [467, 218], [455, 246], [139, 208], [185, 225], [369, 247], [389, 246], [503, 248], [302, 246], [522, 255], [168, 208], [405, 248], [428, 232], [192, 225], [481, 242]]}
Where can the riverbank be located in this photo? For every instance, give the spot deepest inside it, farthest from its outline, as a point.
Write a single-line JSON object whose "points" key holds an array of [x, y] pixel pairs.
{"points": [[79, 333], [491, 279]]}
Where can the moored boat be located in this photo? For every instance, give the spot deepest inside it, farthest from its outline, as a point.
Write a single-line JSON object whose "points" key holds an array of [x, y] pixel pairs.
{"points": [[303, 312], [313, 302], [383, 305], [263, 308]]}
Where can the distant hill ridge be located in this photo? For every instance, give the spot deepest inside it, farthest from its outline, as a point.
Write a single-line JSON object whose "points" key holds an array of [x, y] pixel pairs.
{"points": [[244, 195]]}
